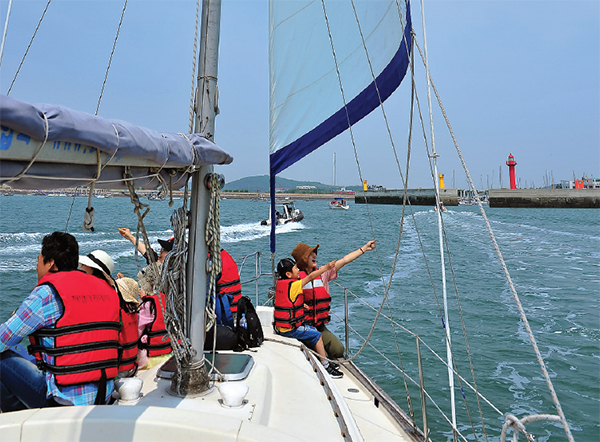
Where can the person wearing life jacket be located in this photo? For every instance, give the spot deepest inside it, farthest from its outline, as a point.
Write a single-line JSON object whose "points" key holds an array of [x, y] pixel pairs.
{"points": [[101, 265], [129, 289], [289, 310], [316, 292], [64, 299], [154, 343], [149, 276], [229, 290]]}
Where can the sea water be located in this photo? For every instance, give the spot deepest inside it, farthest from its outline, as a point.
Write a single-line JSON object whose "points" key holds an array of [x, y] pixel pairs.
{"points": [[552, 255]]}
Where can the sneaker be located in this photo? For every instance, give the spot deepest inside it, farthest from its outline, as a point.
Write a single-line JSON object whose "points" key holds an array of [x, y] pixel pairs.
{"points": [[334, 372]]}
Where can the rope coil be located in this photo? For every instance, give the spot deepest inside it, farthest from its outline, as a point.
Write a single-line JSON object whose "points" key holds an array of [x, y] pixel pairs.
{"points": [[213, 182]]}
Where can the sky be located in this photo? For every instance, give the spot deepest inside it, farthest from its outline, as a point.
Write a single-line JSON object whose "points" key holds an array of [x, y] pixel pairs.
{"points": [[520, 77]]}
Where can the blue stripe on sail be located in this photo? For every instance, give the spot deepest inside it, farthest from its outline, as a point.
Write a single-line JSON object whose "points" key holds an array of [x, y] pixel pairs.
{"points": [[358, 108], [273, 218]]}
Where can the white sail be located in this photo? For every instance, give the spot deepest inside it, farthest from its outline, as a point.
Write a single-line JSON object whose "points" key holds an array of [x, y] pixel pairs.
{"points": [[366, 42], [315, 48]]}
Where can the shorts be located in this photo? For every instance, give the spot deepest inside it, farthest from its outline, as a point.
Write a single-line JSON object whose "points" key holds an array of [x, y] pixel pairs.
{"points": [[305, 333]]}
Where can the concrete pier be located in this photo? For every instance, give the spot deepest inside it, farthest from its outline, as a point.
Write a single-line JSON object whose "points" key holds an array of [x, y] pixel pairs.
{"points": [[545, 198], [417, 197]]}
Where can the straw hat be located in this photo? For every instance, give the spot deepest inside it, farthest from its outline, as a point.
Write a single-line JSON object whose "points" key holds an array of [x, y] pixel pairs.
{"points": [[130, 290], [99, 260], [301, 253]]}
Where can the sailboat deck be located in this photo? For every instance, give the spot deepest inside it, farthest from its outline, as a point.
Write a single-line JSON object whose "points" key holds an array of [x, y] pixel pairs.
{"points": [[287, 398]]}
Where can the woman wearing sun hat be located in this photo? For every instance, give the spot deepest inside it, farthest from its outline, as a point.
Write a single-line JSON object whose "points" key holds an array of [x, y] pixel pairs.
{"points": [[316, 292], [100, 264], [129, 289]]}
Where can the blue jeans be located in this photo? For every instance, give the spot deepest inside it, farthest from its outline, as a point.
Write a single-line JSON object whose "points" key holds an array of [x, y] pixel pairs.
{"points": [[305, 333], [22, 384]]}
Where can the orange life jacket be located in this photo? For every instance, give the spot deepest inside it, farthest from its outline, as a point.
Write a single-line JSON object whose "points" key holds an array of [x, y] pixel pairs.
{"points": [[287, 314], [128, 341], [318, 301], [86, 335], [158, 342], [229, 282]]}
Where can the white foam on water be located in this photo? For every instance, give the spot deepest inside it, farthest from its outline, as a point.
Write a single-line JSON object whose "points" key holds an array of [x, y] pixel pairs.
{"points": [[253, 231]]}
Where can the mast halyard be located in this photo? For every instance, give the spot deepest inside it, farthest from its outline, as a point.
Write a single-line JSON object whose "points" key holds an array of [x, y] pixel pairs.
{"points": [[195, 381]]}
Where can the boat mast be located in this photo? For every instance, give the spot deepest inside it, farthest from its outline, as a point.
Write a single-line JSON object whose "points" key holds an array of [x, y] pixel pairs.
{"points": [[206, 111], [434, 156], [334, 170]]}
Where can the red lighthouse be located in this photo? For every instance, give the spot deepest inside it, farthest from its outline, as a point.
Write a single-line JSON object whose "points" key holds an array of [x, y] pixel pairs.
{"points": [[511, 163]]}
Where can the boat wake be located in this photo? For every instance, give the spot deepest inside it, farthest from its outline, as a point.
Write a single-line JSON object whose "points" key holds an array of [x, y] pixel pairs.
{"points": [[253, 231]]}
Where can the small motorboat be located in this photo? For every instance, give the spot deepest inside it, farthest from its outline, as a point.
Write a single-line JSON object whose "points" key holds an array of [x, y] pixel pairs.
{"points": [[442, 208], [285, 212], [338, 203]]}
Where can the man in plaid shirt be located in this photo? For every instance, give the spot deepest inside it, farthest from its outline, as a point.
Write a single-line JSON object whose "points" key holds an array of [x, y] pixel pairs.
{"points": [[22, 384]]}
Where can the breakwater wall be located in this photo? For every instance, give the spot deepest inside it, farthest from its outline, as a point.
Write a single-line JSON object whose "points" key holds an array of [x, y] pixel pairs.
{"points": [[545, 198], [417, 197]]}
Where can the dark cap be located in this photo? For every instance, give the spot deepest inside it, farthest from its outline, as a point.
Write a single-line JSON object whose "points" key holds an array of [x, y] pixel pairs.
{"points": [[167, 244], [284, 266]]}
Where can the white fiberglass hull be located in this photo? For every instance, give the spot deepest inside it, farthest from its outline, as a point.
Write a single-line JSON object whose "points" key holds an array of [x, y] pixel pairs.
{"points": [[290, 397]]}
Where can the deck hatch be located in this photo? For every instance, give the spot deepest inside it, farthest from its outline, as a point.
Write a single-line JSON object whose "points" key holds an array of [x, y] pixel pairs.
{"points": [[233, 367]]}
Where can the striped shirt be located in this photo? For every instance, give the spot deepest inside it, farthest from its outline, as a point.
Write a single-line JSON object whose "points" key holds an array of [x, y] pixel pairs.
{"points": [[42, 308]]}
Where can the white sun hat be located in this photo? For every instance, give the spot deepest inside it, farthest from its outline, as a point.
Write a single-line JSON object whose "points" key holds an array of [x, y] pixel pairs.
{"points": [[98, 259]]}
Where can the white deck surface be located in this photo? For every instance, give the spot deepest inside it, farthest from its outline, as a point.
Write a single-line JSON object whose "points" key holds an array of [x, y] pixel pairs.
{"points": [[286, 401]]}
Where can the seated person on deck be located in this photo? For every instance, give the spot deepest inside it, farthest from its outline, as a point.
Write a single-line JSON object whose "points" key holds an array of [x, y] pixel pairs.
{"points": [[64, 297], [100, 264], [228, 294], [289, 309]]}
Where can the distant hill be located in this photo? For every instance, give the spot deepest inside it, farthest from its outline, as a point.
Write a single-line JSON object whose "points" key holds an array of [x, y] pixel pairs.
{"points": [[261, 184]]}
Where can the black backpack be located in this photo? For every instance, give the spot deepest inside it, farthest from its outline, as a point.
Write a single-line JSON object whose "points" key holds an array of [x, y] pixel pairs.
{"points": [[251, 335]]}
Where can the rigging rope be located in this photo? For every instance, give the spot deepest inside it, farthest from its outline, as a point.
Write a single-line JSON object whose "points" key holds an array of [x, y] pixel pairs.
{"points": [[506, 272], [194, 58], [10, 2], [386, 299], [433, 352], [212, 236], [357, 164], [432, 156], [173, 284], [28, 46], [111, 57], [172, 271], [37, 153], [432, 400]]}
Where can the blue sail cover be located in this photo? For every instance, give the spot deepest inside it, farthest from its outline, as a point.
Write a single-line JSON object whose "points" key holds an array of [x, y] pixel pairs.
{"points": [[73, 138], [307, 108]]}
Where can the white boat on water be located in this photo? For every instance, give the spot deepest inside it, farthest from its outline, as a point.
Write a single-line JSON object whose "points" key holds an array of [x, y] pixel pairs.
{"points": [[338, 203], [285, 212], [441, 208], [278, 391]]}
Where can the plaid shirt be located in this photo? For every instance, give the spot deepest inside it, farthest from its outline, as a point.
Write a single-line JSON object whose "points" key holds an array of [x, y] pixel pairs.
{"points": [[43, 309]]}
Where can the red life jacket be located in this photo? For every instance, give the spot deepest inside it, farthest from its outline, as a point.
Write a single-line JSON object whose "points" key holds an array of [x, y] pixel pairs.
{"points": [[287, 314], [229, 282], [158, 342], [86, 335], [318, 301], [128, 341]]}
